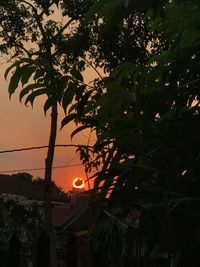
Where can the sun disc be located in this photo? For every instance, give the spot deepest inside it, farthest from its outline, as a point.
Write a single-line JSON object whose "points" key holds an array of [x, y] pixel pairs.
{"points": [[78, 183]]}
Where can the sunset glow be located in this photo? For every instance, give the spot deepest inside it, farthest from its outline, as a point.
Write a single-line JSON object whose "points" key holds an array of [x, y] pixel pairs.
{"points": [[78, 183]]}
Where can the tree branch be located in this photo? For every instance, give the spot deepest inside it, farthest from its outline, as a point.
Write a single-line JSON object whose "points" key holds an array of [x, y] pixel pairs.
{"points": [[93, 67], [64, 27], [37, 16]]}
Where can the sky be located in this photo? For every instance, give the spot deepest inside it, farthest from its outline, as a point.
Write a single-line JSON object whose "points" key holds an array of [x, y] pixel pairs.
{"points": [[23, 126]]}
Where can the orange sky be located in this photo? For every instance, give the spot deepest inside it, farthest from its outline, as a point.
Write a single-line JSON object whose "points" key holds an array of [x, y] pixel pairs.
{"points": [[23, 126]]}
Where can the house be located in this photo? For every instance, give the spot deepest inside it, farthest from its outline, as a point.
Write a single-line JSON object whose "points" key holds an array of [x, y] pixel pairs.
{"points": [[63, 211], [73, 219]]}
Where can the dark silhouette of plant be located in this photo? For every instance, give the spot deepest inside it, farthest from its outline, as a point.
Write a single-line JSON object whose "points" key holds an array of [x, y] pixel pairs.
{"points": [[146, 118], [41, 68]]}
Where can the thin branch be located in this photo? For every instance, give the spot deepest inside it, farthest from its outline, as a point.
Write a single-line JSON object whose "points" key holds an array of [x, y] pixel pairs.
{"points": [[90, 86], [93, 67], [24, 49], [64, 27], [37, 17], [59, 32], [43, 11]]}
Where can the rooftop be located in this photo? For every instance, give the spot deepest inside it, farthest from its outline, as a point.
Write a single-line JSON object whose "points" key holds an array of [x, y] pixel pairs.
{"points": [[13, 184]]}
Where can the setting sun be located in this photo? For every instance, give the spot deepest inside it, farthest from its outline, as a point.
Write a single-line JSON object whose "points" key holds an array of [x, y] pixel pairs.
{"points": [[78, 183]]}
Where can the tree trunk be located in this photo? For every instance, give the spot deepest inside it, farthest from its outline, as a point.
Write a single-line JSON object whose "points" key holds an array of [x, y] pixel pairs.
{"points": [[47, 189]]}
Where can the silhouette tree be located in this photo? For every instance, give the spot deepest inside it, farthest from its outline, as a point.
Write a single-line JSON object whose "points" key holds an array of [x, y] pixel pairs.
{"points": [[37, 43], [146, 117]]}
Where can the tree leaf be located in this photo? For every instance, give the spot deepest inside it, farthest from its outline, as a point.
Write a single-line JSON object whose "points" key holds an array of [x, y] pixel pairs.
{"points": [[67, 98], [68, 119], [46, 64], [9, 69], [64, 80], [79, 129], [104, 8], [77, 74], [94, 10], [190, 38], [34, 94], [30, 61], [29, 88], [82, 102], [79, 91], [14, 81], [26, 73], [49, 103], [74, 106], [39, 73]]}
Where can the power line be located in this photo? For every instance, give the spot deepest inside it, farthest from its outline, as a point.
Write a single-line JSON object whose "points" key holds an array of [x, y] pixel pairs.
{"points": [[39, 169], [42, 168], [39, 147]]}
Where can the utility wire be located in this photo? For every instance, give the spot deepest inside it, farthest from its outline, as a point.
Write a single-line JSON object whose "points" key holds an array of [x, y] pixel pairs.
{"points": [[39, 169], [42, 168], [39, 147]]}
